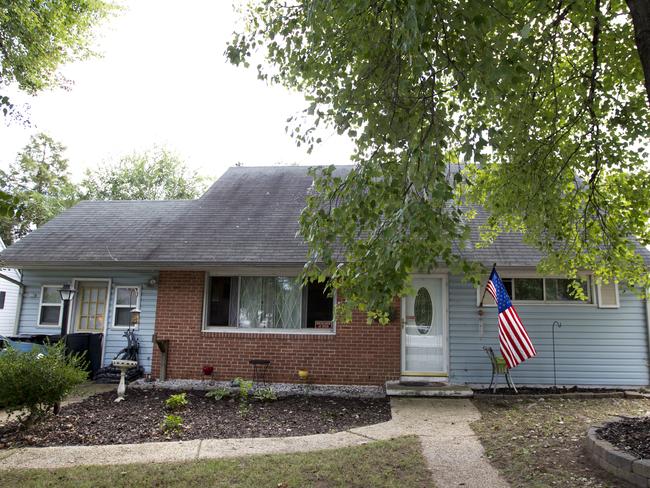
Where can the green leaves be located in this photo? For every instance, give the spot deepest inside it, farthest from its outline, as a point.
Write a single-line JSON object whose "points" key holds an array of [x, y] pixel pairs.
{"points": [[38, 37], [36, 188], [157, 174], [526, 112]]}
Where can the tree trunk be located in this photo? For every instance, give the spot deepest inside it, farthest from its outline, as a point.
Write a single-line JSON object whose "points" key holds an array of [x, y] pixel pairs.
{"points": [[640, 12]]}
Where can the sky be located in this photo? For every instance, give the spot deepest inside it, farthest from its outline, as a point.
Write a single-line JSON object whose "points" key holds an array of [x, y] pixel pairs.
{"points": [[163, 80]]}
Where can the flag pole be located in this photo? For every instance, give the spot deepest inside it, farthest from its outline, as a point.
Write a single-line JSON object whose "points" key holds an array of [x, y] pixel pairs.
{"points": [[494, 266]]}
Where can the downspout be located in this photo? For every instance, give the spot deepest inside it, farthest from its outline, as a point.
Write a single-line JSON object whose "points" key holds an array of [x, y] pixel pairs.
{"points": [[19, 301]]}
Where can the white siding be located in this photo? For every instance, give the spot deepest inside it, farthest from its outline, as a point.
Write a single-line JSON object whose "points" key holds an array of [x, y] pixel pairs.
{"points": [[8, 312]]}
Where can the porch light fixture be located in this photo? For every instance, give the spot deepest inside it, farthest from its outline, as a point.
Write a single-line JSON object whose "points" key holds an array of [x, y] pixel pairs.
{"points": [[135, 316], [67, 293]]}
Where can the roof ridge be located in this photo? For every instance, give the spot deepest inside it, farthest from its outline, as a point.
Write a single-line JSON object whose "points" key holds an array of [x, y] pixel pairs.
{"points": [[136, 201]]}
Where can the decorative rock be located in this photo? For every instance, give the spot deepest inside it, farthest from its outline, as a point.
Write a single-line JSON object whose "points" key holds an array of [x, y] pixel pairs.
{"points": [[280, 389]]}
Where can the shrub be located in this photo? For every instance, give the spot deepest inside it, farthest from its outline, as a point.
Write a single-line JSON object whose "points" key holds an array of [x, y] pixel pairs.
{"points": [[244, 393], [265, 395], [37, 381], [176, 402], [219, 393], [172, 424]]}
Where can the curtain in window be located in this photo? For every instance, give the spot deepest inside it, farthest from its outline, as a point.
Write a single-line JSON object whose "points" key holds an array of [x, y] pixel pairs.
{"points": [[270, 302]]}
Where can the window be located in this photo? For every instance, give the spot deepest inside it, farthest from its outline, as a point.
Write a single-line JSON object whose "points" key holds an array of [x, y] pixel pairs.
{"points": [[222, 301], [320, 307], [266, 302], [608, 295], [533, 289], [560, 290], [50, 309], [126, 299], [529, 289], [3, 295]]}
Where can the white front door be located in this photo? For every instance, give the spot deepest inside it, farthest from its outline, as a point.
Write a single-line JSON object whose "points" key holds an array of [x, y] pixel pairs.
{"points": [[424, 336]]}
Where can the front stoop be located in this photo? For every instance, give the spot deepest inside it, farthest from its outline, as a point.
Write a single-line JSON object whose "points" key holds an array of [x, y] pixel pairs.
{"points": [[397, 388]]}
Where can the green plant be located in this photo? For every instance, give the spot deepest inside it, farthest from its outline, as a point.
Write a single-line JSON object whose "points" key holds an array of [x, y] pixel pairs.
{"points": [[265, 395], [172, 424], [245, 387], [219, 393], [176, 402], [38, 380]]}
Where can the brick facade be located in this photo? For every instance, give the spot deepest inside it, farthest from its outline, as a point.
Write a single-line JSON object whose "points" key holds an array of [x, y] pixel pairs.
{"points": [[358, 353]]}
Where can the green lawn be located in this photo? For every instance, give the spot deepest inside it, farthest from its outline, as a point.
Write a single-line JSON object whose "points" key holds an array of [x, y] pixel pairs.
{"points": [[539, 442], [396, 463]]}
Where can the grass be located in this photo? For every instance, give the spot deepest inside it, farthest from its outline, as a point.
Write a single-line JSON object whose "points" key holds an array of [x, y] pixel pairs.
{"points": [[539, 442], [395, 463]]}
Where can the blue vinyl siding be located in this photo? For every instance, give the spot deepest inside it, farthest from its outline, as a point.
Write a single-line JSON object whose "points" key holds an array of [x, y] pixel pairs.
{"points": [[114, 340], [593, 347]]}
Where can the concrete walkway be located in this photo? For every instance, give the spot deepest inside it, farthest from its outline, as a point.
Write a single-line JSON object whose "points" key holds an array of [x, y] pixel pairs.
{"points": [[452, 450]]}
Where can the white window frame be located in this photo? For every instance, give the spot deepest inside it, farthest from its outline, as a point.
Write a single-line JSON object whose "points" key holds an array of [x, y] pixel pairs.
{"points": [[514, 276], [41, 304], [600, 299], [236, 329], [116, 306]]}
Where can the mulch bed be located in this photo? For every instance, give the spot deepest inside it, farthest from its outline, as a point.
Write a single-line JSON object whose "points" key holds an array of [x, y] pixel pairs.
{"points": [[99, 420], [525, 390], [631, 435]]}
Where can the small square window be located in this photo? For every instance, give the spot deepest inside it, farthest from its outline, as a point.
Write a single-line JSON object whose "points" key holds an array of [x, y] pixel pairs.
{"points": [[126, 299], [49, 314]]}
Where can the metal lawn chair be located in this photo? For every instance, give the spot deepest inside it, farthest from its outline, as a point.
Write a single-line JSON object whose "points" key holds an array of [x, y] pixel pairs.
{"points": [[499, 366]]}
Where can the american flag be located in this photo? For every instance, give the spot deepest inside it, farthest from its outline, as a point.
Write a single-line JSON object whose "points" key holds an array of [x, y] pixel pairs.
{"points": [[516, 346]]}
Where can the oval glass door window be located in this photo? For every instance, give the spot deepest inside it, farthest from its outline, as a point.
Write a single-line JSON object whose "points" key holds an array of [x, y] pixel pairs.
{"points": [[423, 308]]}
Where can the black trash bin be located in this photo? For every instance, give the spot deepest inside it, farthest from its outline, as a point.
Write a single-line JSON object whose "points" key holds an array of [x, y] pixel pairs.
{"points": [[95, 353], [88, 344]]}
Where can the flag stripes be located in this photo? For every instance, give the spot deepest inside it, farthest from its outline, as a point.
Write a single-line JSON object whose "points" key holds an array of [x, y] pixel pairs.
{"points": [[514, 342]]}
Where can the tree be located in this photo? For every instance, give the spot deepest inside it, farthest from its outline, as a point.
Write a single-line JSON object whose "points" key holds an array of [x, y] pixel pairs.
{"points": [[536, 111], [37, 37], [38, 185], [153, 175]]}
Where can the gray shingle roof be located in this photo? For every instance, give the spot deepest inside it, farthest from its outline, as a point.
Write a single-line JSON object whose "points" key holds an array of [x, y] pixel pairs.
{"points": [[248, 216]]}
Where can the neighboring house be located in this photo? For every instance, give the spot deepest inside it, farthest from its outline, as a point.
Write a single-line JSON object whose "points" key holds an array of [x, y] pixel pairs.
{"points": [[215, 278], [9, 291]]}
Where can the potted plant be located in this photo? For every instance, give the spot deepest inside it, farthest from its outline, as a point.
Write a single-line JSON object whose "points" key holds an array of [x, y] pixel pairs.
{"points": [[208, 370]]}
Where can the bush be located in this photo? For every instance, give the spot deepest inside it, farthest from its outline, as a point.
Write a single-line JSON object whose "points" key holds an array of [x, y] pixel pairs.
{"points": [[219, 393], [265, 395], [37, 381], [176, 402], [172, 424], [245, 387]]}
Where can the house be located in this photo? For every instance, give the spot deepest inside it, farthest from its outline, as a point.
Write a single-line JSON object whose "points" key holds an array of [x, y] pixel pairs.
{"points": [[214, 277], [9, 292]]}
